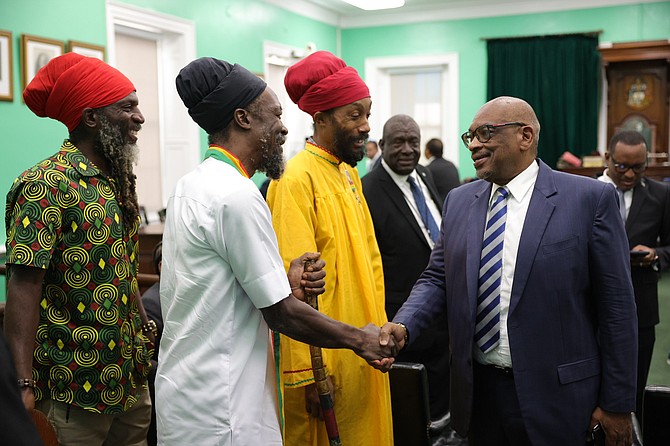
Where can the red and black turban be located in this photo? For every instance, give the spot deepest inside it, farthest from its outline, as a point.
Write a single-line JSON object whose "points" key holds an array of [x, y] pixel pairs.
{"points": [[322, 81], [213, 89], [68, 84]]}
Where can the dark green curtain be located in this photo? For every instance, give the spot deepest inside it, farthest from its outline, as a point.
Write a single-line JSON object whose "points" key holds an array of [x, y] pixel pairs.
{"points": [[559, 76]]}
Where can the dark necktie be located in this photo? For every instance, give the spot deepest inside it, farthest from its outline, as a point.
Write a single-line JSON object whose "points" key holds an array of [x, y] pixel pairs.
{"points": [[487, 328], [424, 212]]}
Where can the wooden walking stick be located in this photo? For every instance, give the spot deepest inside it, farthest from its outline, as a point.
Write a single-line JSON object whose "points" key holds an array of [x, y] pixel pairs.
{"points": [[321, 380]]}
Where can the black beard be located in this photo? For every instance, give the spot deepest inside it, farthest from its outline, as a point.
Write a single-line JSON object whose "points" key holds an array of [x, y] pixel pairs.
{"points": [[110, 142], [344, 147], [272, 156]]}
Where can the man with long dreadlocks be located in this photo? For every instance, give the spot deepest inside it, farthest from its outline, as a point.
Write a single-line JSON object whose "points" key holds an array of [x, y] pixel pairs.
{"points": [[73, 320]]}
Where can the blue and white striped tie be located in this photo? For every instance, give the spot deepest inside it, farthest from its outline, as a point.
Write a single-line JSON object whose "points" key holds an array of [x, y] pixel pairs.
{"points": [[487, 328]]}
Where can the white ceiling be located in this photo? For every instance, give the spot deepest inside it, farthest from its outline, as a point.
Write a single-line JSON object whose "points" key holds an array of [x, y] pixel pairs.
{"points": [[344, 15]]}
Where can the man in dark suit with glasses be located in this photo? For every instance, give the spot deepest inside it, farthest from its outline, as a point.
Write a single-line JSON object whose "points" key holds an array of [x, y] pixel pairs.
{"points": [[645, 209]]}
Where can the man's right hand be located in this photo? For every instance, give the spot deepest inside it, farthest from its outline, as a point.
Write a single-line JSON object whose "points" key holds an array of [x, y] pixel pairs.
{"points": [[28, 397], [390, 334], [372, 350]]}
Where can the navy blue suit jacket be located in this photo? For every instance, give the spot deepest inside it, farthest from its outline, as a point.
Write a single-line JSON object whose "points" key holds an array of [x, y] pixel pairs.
{"points": [[571, 323]]}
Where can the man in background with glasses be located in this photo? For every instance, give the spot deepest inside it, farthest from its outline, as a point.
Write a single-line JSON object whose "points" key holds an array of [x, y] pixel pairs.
{"points": [[645, 210], [532, 270]]}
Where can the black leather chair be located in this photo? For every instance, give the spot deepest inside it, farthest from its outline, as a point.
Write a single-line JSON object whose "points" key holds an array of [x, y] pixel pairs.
{"points": [[409, 404], [656, 416]]}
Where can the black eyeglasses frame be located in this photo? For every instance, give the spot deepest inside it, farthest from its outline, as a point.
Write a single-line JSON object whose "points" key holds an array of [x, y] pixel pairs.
{"points": [[469, 136]]}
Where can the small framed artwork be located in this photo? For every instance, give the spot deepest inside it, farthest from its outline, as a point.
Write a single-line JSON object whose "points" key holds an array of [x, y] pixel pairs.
{"points": [[86, 49], [6, 71], [36, 52]]}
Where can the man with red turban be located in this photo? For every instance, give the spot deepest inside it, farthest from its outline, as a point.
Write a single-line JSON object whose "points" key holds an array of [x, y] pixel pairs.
{"points": [[73, 320], [318, 206]]}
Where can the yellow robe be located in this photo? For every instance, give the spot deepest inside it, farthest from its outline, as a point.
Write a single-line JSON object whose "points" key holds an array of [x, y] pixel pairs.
{"points": [[318, 206]]}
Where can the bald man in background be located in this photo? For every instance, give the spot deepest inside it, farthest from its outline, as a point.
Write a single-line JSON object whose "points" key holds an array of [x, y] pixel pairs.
{"points": [[74, 321]]}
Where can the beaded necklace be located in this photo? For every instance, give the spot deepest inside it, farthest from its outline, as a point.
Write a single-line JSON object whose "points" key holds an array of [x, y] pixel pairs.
{"points": [[311, 144]]}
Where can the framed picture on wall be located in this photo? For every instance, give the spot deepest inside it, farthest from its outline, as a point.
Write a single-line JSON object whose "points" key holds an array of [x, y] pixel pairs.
{"points": [[35, 53], [86, 49], [6, 71]]}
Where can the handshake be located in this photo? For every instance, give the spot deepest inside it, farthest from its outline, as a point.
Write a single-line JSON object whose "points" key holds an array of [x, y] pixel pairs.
{"points": [[383, 344], [306, 275]]}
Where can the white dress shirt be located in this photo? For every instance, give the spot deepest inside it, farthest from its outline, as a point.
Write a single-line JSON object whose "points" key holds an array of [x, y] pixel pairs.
{"points": [[520, 192], [403, 184], [627, 195]]}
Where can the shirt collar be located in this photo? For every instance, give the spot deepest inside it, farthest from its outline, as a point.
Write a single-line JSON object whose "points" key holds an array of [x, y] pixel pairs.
{"points": [[519, 186], [397, 178], [78, 161], [320, 152]]}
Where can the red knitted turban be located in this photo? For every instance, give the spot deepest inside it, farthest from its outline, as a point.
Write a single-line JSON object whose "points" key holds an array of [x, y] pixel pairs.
{"points": [[322, 81], [68, 84]]}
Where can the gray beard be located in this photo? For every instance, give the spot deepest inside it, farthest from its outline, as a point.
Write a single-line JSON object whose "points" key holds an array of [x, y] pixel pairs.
{"points": [[272, 159], [120, 156], [110, 142]]}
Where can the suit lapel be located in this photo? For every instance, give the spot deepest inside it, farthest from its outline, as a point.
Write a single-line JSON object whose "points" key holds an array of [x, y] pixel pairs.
{"points": [[640, 194], [539, 212], [423, 173], [476, 221], [398, 199]]}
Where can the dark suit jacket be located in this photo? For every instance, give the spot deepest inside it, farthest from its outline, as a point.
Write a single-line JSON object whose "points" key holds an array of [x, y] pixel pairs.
{"points": [[404, 248], [445, 175], [571, 324], [648, 224]]}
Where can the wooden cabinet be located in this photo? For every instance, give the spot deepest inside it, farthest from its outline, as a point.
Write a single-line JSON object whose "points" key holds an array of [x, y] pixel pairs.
{"points": [[638, 97]]}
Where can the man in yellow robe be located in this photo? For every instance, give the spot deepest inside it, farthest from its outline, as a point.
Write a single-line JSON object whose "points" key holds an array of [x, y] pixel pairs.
{"points": [[318, 205]]}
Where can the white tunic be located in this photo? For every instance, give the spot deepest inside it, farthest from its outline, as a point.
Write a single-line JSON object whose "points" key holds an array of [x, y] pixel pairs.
{"points": [[216, 382]]}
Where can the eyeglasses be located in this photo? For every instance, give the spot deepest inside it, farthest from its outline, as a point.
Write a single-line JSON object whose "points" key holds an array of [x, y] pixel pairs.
{"points": [[485, 132], [623, 168]]}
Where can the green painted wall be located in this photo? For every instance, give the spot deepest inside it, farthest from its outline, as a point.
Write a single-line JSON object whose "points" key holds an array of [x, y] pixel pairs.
{"points": [[649, 21], [235, 30], [229, 29]]}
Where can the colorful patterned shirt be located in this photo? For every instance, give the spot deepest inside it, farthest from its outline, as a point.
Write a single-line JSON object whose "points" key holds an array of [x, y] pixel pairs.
{"points": [[63, 215]]}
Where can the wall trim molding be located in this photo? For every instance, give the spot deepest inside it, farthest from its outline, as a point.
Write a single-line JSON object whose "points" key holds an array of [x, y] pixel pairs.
{"points": [[179, 135], [377, 77]]}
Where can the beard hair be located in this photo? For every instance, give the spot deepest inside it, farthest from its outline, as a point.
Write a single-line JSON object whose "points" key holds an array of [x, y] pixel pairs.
{"points": [[110, 142], [344, 147], [272, 156]]}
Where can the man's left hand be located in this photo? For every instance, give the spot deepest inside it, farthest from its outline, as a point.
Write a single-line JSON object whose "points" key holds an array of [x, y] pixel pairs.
{"points": [[618, 427], [646, 260], [307, 279]]}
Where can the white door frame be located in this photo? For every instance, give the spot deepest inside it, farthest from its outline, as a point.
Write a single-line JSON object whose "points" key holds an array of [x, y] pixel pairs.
{"points": [[175, 38], [377, 76], [298, 123]]}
